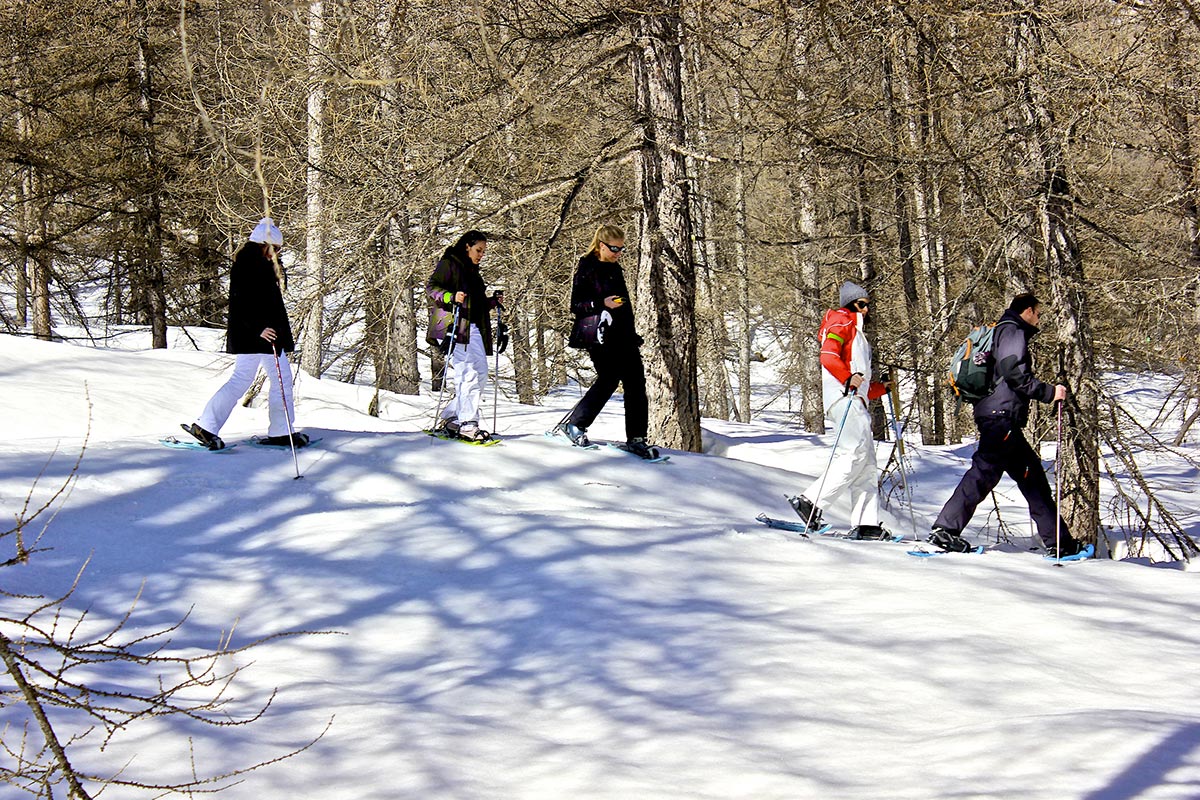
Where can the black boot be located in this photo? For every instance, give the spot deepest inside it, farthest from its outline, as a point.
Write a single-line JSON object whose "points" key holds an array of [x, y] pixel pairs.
{"points": [[949, 541], [209, 440], [639, 447], [869, 532], [806, 510], [297, 439]]}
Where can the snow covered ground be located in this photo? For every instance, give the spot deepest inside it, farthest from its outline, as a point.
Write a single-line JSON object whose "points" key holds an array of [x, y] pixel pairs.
{"points": [[533, 621]]}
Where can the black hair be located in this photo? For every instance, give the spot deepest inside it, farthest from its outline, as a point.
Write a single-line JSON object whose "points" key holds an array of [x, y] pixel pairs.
{"points": [[469, 238], [1023, 301]]}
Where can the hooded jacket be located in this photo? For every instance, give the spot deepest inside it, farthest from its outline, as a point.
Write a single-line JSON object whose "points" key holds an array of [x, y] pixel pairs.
{"points": [[255, 303], [1012, 368]]}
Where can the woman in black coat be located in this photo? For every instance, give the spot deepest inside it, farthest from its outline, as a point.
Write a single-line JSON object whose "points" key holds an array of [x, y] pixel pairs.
{"points": [[456, 281], [258, 330], [604, 327]]}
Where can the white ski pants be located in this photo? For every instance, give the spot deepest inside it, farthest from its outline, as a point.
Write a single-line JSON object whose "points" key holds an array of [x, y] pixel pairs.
{"points": [[470, 365], [852, 477], [245, 368]]}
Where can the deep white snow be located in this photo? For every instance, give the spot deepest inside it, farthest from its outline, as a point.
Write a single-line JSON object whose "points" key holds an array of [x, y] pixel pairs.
{"points": [[533, 621]]}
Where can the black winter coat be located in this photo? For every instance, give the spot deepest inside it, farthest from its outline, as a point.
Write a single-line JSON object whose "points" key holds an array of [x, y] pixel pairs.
{"points": [[1012, 368], [255, 303], [594, 281], [453, 274]]}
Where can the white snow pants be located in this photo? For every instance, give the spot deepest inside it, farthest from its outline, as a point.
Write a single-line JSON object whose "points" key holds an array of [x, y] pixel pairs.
{"points": [[852, 476], [470, 365], [245, 368]]}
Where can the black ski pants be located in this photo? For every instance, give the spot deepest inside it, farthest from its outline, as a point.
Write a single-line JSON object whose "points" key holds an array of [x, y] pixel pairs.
{"points": [[616, 365], [1003, 449]]}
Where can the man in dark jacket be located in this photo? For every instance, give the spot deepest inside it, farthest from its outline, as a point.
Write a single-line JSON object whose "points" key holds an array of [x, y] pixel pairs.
{"points": [[1001, 418]]}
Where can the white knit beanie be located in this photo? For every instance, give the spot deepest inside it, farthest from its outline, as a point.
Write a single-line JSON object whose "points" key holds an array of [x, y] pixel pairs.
{"points": [[265, 232], [851, 292]]}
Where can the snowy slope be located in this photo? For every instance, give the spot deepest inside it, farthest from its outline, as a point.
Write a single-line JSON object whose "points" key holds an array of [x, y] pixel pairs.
{"points": [[533, 621]]}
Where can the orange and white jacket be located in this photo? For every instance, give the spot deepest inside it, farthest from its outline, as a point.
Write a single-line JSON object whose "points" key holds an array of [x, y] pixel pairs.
{"points": [[845, 351]]}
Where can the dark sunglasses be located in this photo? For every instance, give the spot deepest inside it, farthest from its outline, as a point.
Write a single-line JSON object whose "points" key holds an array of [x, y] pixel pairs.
{"points": [[617, 249], [861, 305]]}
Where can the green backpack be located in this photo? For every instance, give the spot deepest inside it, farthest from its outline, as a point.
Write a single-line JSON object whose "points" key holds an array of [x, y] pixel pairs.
{"points": [[972, 367]]}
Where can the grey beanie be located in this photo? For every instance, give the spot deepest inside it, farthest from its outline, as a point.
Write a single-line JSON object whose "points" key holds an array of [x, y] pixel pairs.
{"points": [[851, 292]]}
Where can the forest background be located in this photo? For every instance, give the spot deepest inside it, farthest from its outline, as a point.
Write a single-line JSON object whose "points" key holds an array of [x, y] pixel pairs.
{"points": [[944, 155]]}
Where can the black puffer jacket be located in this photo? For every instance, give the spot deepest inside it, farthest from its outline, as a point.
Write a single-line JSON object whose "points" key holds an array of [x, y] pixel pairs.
{"points": [[1016, 385], [594, 281], [255, 303]]}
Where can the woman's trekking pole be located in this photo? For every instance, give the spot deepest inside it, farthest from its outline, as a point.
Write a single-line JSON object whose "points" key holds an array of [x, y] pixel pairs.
{"points": [[453, 334], [287, 417], [501, 343], [816, 501]]}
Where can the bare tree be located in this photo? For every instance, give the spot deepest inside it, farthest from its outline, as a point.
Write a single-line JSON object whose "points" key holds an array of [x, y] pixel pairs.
{"points": [[667, 274], [83, 684]]}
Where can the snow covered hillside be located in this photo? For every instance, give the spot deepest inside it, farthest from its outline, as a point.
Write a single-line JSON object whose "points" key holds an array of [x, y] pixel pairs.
{"points": [[534, 621]]}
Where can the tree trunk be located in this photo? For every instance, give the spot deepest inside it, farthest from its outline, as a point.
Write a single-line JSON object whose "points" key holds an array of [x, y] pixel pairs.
{"points": [[518, 343], [716, 392], [314, 291], [147, 250], [806, 257], [667, 276], [906, 252], [26, 215], [741, 267], [394, 343], [1078, 462]]}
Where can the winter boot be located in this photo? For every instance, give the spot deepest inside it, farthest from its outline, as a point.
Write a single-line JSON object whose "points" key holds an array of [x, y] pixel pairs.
{"points": [[472, 432], [209, 440], [806, 510], [576, 434], [638, 447], [444, 425], [948, 541], [869, 532], [1069, 547], [297, 439]]}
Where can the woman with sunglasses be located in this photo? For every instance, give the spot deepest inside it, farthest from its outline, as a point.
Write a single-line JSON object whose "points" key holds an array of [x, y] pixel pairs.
{"points": [[852, 476], [604, 327]]}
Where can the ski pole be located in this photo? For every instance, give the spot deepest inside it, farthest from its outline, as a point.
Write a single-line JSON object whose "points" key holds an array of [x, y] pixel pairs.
{"points": [[816, 501], [437, 410], [286, 416], [501, 337]]}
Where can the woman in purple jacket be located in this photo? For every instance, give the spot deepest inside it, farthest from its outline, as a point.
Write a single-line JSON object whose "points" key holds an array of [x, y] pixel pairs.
{"points": [[457, 282]]}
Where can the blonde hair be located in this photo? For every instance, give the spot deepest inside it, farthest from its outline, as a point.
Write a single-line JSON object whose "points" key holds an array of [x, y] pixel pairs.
{"points": [[605, 233]]}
